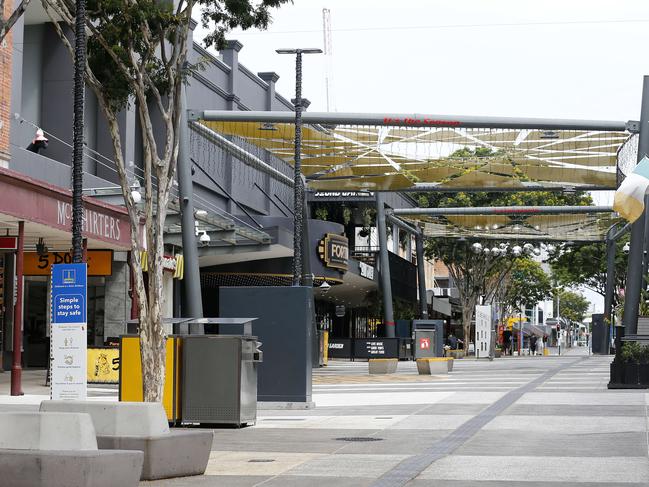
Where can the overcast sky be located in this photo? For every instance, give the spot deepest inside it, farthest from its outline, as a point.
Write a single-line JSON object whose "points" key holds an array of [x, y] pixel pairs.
{"points": [[558, 59], [568, 58]]}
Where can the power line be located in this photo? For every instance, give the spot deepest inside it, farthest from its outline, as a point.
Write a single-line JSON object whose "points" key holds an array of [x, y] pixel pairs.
{"points": [[453, 26]]}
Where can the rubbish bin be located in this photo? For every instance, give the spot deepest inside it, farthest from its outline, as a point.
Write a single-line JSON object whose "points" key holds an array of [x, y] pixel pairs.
{"points": [[219, 379], [428, 338]]}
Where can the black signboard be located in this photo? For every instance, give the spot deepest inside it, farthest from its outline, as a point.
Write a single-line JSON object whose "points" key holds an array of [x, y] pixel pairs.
{"points": [[340, 347], [376, 348], [334, 251]]}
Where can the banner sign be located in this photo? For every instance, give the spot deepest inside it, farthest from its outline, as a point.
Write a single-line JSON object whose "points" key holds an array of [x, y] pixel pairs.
{"points": [[100, 262], [103, 365], [376, 348], [68, 344], [482, 331]]}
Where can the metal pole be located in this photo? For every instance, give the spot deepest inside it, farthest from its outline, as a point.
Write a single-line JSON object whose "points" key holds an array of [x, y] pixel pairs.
{"points": [[77, 138], [384, 260], [416, 120], [421, 275], [16, 368], [192, 278], [634, 269], [307, 276], [298, 189], [504, 210], [610, 285]]}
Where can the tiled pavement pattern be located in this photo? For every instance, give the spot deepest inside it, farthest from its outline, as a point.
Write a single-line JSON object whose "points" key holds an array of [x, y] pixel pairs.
{"points": [[537, 421]]}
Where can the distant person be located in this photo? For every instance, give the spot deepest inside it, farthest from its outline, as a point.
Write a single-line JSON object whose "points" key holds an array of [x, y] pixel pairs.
{"points": [[540, 345], [533, 339], [507, 342], [39, 142], [452, 341]]}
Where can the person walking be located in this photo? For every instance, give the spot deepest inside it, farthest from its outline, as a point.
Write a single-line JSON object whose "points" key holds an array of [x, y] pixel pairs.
{"points": [[540, 346], [533, 345]]}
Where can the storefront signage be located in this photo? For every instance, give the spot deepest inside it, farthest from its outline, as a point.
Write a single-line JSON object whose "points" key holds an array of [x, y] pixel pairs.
{"points": [[94, 223], [376, 348], [100, 262], [170, 263], [343, 194], [68, 346], [367, 271], [103, 366], [340, 310], [339, 348], [8, 243], [334, 251]]}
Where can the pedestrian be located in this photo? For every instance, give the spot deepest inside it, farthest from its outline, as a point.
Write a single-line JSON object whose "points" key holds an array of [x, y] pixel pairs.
{"points": [[533, 345], [39, 142], [540, 345], [452, 341]]}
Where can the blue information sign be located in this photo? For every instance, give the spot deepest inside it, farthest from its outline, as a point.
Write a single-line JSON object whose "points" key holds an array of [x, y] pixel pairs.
{"points": [[68, 293]]}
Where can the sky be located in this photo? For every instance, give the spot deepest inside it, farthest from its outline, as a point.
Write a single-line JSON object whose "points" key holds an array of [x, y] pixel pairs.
{"points": [[560, 59]]}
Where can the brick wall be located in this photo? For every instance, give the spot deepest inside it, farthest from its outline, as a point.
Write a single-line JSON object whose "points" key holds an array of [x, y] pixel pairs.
{"points": [[5, 87]]}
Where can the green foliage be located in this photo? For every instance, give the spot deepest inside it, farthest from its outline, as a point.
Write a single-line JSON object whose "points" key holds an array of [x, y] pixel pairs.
{"points": [[528, 284], [635, 353], [224, 15], [585, 265], [572, 306], [322, 213]]}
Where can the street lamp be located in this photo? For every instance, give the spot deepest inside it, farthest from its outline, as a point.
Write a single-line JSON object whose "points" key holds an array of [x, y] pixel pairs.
{"points": [[298, 187]]}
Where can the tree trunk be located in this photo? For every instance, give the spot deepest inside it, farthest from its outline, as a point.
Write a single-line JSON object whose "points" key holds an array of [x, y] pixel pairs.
{"points": [[468, 309]]}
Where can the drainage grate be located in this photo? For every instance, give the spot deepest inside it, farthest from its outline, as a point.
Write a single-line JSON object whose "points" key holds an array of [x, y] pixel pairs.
{"points": [[261, 460], [358, 438]]}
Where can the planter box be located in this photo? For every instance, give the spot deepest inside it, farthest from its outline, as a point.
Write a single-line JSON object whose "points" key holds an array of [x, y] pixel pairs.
{"points": [[629, 376], [455, 353], [498, 353]]}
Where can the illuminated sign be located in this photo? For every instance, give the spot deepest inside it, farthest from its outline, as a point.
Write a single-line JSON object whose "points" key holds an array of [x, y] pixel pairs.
{"points": [[334, 251]]}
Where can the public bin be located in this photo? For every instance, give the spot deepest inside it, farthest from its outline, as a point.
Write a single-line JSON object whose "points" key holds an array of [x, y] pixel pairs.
{"points": [[130, 374], [219, 379], [428, 338]]}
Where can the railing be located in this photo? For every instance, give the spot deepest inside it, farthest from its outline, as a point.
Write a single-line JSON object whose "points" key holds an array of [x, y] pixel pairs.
{"points": [[365, 254]]}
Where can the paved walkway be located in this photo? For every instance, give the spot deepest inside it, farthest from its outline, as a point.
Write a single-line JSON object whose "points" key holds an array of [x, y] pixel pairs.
{"points": [[530, 421]]}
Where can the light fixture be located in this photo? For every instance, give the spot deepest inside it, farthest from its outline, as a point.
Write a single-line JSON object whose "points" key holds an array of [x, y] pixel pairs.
{"points": [[324, 287], [627, 248], [495, 251], [204, 238], [200, 213], [551, 248], [476, 248], [486, 251], [136, 196], [517, 250]]}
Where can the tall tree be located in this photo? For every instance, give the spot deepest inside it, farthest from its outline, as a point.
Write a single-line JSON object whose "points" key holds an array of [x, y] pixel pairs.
{"points": [[137, 52], [572, 306], [528, 285], [585, 265]]}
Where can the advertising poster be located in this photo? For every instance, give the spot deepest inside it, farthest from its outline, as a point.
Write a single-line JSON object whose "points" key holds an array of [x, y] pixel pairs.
{"points": [[69, 332]]}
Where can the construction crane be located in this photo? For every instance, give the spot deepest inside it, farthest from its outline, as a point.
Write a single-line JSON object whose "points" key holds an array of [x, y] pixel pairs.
{"points": [[326, 31]]}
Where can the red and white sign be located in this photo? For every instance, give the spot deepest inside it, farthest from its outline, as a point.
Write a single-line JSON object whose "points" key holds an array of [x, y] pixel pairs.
{"points": [[424, 343], [8, 243]]}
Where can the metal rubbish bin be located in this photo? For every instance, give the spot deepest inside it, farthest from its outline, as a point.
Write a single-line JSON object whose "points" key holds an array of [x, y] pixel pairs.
{"points": [[219, 379], [428, 338]]}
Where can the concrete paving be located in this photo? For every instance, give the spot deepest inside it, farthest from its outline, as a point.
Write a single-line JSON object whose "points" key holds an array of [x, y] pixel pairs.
{"points": [[516, 421]]}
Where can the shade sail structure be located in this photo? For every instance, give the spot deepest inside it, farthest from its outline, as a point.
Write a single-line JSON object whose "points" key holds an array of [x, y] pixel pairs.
{"points": [[587, 227], [394, 157]]}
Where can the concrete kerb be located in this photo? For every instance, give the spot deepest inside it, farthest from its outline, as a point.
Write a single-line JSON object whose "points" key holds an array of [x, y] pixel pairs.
{"points": [[60, 449], [434, 366], [383, 365], [143, 426]]}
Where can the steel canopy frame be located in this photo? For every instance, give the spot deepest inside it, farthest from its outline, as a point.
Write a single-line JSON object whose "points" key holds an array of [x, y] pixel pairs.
{"points": [[415, 120], [502, 210]]}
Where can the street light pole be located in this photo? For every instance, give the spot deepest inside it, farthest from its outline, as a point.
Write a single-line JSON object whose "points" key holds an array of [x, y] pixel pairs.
{"points": [[298, 186], [77, 148]]}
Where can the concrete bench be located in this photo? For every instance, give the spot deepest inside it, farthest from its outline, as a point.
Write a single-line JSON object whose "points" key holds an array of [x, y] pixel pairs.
{"points": [[434, 365], [383, 365], [143, 426], [60, 450]]}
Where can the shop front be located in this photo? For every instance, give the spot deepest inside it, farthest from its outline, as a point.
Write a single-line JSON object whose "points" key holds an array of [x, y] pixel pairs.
{"points": [[38, 216]]}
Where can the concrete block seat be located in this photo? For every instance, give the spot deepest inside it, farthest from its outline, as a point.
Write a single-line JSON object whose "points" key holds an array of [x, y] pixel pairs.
{"points": [[383, 365], [143, 426], [434, 365], [60, 450]]}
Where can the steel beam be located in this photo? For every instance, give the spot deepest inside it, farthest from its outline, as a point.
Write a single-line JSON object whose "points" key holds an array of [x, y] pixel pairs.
{"points": [[192, 279], [503, 210], [414, 120], [384, 261], [634, 270], [421, 275]]}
